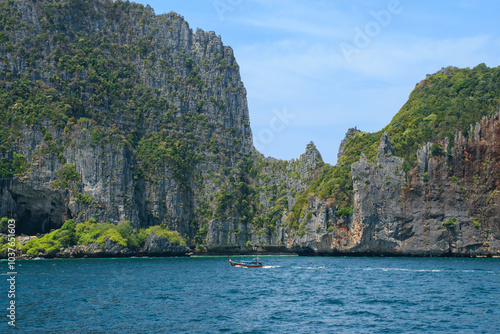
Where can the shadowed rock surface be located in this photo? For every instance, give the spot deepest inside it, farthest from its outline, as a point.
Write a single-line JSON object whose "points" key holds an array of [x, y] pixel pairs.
{"points": [[111, 112]]}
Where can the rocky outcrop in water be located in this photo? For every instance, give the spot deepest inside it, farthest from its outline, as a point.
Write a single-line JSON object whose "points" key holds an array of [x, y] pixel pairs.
{"points": [[108, 249], [446, 206], [154, 245], [111, 112], [158, 245]]}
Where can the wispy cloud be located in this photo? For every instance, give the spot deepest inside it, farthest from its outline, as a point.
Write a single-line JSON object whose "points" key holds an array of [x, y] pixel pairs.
{"points": [[313, 80], [395, 58], [289, 57], [293, 25], [316, 19]]}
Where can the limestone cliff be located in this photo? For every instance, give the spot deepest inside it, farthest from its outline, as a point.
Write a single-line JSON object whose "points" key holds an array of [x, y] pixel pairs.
{"points": [[112, 113], [447, 205], [350, 133], [116, 114], [144, 112]]}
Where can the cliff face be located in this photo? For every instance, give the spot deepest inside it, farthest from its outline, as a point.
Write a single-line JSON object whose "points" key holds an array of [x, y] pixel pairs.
{"points": [[114, 113], [447, 205], [275, 190], [123, 115], [141, 111]]}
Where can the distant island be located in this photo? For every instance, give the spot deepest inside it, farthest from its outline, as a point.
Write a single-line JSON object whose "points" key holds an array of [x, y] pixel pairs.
{"points": [[125, 133]]}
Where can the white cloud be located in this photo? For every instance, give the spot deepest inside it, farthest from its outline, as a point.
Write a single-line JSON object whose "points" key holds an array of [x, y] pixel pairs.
{"points": [[293, 25], [314, 82], [289, 57], [394, 58]]}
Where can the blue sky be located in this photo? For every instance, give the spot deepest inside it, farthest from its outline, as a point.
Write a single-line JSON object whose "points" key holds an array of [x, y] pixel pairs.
{"points": [[313, 69]]}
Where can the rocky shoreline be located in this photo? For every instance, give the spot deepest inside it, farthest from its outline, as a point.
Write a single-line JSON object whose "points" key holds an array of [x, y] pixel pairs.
{"points": [[155, 245], [157, 132], [167, 249]]}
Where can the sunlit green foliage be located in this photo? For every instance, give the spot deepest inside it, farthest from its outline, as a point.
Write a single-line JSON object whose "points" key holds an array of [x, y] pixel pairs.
{"points": [[96, 79], [451, 100], [15, 166], [85, 198], [450, 222], [4, 222], [162, 231], [67, 173], [92, 231], [52, 242]]}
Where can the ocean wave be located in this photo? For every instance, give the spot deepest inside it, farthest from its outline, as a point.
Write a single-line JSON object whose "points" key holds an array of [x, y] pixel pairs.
{"points": [[406, 269]]}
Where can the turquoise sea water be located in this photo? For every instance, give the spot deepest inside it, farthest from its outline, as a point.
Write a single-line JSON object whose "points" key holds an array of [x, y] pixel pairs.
{"points": [[287, 295]]}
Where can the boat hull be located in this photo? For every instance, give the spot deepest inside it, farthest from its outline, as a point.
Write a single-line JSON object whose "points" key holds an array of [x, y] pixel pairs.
{"points": [[244, 265]]}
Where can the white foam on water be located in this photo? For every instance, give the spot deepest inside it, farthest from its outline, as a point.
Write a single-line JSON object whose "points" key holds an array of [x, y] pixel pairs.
{"points": [[406, 269]]}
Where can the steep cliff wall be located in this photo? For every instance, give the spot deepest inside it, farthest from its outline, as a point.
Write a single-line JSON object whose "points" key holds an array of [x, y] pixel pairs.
{"points": [[275, 186], [112, 113], [116, 114], [447, 205], [148, 116]]}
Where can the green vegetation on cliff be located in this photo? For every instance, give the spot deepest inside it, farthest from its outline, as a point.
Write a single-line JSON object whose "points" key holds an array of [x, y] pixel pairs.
{"points": [[122, 114], [65, 69], [91, 231], [451, 100], [83, 81], [439, 106]]}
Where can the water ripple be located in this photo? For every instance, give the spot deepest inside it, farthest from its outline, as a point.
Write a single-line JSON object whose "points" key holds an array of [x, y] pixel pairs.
{"points": [[287, 295]]}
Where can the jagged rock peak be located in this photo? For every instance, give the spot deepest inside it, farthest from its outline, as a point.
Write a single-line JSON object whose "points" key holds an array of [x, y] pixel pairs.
{"points": [[385, 147], [351, 132], [174, 14], [444, 70], [311, 157], [310, 147]]}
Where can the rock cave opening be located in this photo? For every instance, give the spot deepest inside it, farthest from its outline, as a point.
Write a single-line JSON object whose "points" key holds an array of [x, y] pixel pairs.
{"points": [[38, 212]]}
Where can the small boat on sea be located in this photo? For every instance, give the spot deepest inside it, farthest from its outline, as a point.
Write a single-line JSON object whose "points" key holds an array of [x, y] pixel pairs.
{"points": [[255, 263]]}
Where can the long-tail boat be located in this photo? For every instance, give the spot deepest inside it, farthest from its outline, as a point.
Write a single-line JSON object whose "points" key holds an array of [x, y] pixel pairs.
{"points": [[255, 263]]}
